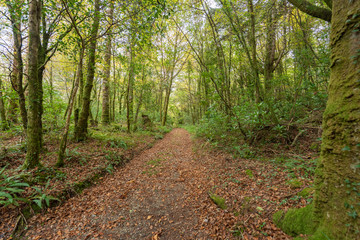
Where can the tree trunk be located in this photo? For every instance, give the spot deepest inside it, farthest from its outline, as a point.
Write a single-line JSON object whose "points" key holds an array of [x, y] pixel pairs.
{"points": [[270, 48], [34, 130], [97, 100], [63, 143], [312, 10], [166, 101], [105, 96], [12, 110], [254, 63], [51, 82], [140, 100], [337, 195], [3, 122], [82, 126], [130, 91], [18, 68]]}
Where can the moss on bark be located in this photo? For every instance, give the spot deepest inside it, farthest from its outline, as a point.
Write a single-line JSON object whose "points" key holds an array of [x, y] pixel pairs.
{"points": [[336, 206], [296, 221], [339, 151]]}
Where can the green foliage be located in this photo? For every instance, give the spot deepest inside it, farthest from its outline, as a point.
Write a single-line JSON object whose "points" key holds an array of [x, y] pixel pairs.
{"points": [[39, 197], [113, 157], [244, 151], [117, 143], [52, 117], [43, 175], [190, 128], [305, 166], [212, 125], [10, 188], [294, 183]]}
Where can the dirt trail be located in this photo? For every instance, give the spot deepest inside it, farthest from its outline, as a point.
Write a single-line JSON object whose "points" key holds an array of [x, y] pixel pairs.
{"points": [[161, 194]]}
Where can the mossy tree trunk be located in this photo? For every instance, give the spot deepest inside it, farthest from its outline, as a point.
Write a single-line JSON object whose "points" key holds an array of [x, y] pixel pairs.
{"points": [[313, 10], [106, 85], [130, 89], [82, 126], [15, 10], [338, 193], [34, 113], [253, 60], [3, 122]]}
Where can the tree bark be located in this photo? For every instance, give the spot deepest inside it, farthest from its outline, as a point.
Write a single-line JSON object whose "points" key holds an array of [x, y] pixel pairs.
{"points": [[130, 90], [63, 143], [18, 68], [337, 195], [106, 95], [82, 126], [312, 10], [253, 52], [3, 122], [34, 130]]}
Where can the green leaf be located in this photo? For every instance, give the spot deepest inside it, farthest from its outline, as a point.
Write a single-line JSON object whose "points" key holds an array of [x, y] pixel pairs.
{"points": [[47, 200], [20, 184], [7, 195], [14, 190], [353, 214], [38, 202], [2, 170], [37, 189], [346, 148]]}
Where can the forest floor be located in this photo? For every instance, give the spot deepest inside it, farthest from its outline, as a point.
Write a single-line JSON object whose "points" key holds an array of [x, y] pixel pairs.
{"points": [[169, 192], [86, 163]]}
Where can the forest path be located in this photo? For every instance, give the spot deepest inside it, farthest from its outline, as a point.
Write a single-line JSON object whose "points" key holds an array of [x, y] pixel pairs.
{"points": [[160, 194]]}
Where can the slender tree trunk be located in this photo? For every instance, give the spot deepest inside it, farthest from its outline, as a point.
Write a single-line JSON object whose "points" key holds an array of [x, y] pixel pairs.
{"points": [[63, 142], [97, 105], [34, 130], [160, 103], [115, 92], [140, 100], [113, 101], [338, 194], [3, 122], [82, 126], [253, 52], [81, 83], [18, 68], [120, 103], [130, 91], [166, 102], [106, 84], [51, 91]]}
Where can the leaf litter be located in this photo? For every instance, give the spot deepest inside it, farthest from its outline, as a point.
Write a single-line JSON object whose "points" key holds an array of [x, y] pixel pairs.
{"points": [[172, 200]]}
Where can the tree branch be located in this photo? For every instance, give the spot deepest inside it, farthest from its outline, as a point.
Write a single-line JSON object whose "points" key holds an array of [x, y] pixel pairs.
{"points": [[328, 3], [312, 10]]}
